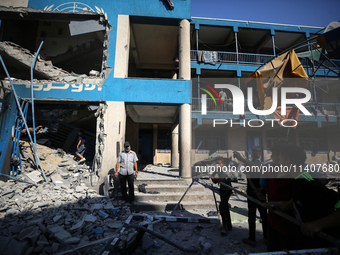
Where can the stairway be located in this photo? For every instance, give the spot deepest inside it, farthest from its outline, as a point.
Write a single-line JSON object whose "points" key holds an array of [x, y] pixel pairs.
{"points": [[164, 194]]}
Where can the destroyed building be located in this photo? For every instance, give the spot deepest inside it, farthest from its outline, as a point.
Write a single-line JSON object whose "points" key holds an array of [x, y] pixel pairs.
{"points": [[107, 67]]}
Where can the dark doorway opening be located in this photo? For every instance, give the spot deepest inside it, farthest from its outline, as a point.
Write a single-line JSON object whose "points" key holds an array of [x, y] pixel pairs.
{"points": [[145, 148]]}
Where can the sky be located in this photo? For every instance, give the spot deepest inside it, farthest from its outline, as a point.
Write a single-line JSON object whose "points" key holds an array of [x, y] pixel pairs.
{"points": [[295, 12]]}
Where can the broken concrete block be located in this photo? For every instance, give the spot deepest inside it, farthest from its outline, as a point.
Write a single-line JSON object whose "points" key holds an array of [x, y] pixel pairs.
{"points": [[57, 218], [97, 207], [108, 206], [72, 240], [113, 224], [31, 233], [78, 225], [103, 214], [56, 178], [62, 235], [90, 218], [35, 176]]}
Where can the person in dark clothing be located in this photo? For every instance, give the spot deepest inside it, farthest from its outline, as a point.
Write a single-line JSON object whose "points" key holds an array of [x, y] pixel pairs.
{"points": [[225, 194], [254, 190], [305, 198], [81, 146]]}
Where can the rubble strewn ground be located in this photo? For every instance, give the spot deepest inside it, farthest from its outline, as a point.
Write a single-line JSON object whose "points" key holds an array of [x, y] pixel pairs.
{"points": [[66, 213], [51, 218]]}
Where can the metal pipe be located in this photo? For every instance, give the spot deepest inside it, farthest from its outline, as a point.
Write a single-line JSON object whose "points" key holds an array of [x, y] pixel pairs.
{"points": [[212, 189], [179, 202], [273, 40], [23, 117], [13, 178], [32, 95], [236, 42], [197, 42]]}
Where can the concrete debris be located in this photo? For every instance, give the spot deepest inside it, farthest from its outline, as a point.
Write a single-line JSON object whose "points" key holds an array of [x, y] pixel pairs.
{"points": [[66, 213], [90, 218], [56, 215], [35, 176], [44, 68], [62, 235], [31, 234]]}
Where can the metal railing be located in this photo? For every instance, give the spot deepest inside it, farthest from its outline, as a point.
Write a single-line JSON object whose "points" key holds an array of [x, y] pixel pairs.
{"points": [[233, 57], [259, 59], [331, 109]]}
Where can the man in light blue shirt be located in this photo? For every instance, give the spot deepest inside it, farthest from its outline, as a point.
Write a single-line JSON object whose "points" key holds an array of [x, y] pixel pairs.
{"points": [[126, 168]]}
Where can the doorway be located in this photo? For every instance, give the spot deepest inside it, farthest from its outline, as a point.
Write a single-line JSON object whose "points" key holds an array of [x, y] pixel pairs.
{"points": [[145, 148]]}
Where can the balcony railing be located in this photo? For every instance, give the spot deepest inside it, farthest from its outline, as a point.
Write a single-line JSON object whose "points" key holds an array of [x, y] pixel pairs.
{"points": [[233, 57], [259, 59], [331, 109]]}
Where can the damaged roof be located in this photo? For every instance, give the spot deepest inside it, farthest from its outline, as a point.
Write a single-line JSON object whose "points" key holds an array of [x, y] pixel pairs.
{"points": [[31, 13]]}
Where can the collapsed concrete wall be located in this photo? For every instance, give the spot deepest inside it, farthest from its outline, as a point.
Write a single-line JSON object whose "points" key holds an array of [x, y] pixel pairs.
{"points": [[74, 51]]}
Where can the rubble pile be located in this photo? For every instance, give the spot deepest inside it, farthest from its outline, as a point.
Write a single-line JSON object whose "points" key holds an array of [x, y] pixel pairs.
{"points": [[59, 167], [48, 218], [24, 56]]}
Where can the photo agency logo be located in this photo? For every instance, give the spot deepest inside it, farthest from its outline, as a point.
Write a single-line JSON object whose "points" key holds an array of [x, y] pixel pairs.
{"points": [[281, 98]]}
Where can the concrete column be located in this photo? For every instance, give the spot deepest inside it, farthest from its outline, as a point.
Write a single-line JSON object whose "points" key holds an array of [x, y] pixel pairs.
{"points": [[185, 109], [122, 47], [174, 147], [185, 140], [184, 50], [111, 126]]}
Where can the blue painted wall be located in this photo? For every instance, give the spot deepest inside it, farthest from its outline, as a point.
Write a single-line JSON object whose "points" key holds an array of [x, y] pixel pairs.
{"points": [[128, 90]]}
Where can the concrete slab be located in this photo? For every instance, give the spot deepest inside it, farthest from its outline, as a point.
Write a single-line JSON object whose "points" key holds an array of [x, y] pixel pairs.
{"points": [[35, 176]]}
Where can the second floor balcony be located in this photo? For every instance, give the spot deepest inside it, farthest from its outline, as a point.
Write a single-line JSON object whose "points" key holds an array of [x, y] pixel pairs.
{"points": [[323, 67]]}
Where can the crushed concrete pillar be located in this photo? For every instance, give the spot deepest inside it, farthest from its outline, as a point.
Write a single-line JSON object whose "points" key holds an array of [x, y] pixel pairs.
{"points": [[111, 126], [174, 147]]}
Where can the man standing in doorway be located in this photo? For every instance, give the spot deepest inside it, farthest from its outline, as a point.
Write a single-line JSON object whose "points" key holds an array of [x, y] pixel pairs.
{"points": [[127, 168]]}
